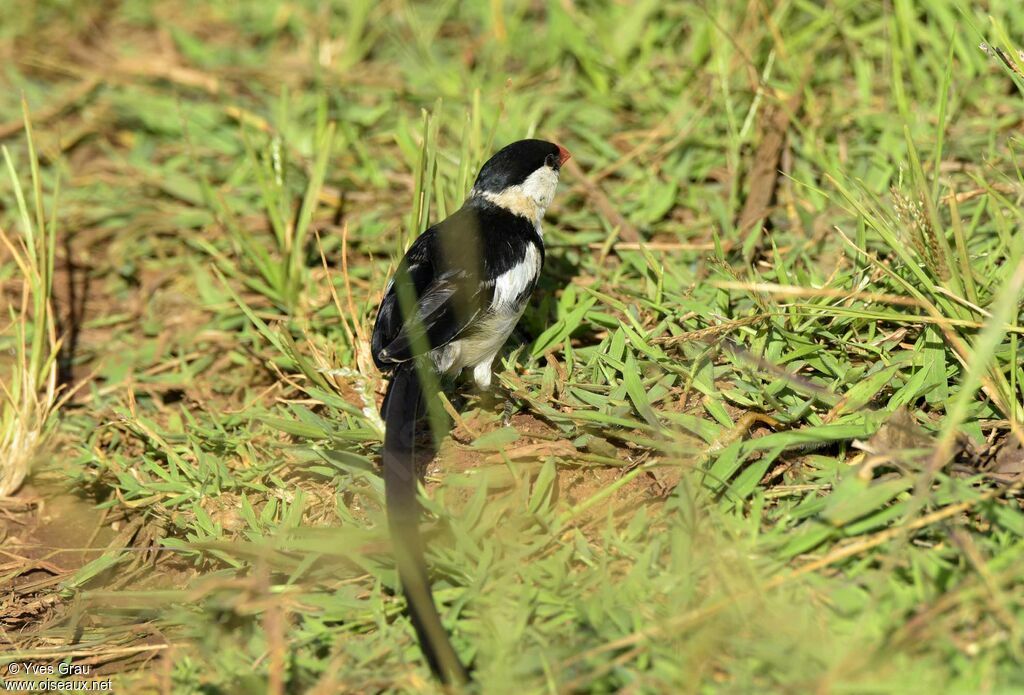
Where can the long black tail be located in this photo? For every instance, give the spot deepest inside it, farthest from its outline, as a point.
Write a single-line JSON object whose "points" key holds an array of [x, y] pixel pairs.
{"points": [[402, 408]]}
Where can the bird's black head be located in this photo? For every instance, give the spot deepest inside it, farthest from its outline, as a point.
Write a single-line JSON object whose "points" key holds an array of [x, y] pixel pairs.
{"points": [[515, 163]]}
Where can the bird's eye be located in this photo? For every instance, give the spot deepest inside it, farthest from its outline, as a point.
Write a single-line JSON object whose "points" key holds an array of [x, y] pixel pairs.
{"points": [[551, 161]]}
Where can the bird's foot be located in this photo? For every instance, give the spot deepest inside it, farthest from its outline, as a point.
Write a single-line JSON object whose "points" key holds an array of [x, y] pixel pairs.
{"points": [[498, 402]]}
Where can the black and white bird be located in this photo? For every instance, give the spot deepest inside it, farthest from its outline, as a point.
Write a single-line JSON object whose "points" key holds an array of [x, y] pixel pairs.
{"points": [[451, 305]]}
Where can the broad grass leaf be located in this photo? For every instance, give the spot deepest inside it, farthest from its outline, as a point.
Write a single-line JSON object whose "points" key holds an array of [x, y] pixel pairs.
{"points": [[855, 497]]}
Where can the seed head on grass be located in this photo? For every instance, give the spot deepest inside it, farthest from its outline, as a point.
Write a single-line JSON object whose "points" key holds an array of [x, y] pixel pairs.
{"points": [[919, 232]]}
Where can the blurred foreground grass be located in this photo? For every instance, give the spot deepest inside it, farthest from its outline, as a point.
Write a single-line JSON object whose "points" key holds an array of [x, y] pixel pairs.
{"points": [[765, 429]]}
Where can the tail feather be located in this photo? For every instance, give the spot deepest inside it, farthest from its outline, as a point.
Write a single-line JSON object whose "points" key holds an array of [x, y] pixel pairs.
{"points": [[403, 405]]}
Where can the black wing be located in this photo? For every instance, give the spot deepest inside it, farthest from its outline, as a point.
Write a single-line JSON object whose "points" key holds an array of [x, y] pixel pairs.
{"points": [[443, 278]]}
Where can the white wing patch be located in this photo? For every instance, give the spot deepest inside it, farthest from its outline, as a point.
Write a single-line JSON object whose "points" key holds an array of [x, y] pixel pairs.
{"points": [[513, 282]]}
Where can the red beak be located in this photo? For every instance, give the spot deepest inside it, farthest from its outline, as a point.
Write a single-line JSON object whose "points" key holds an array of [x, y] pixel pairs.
{"points": [[563, 155]]}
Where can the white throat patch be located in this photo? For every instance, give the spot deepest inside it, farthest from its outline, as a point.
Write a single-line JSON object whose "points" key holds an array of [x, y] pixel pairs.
{"points": [[531, 198]]}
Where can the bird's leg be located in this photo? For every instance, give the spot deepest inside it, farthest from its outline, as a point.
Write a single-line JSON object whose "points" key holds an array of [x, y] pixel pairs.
{"points": [[482, 379], [489, 396], [508, 409], [508, 403], [492, 398]]}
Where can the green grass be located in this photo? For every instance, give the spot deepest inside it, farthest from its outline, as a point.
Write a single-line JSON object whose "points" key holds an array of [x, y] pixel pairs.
{"points": [[29, 391], [778, 459]]}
